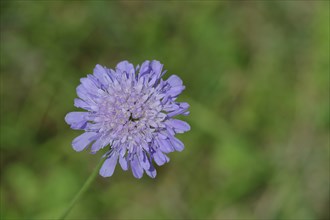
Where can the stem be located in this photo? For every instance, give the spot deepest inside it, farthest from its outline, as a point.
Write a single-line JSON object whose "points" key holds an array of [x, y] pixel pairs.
{"points": [[83, 189]]}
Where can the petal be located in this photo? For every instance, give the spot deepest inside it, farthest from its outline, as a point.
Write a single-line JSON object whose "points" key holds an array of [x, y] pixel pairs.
{"points": [[182, 109], [125, 66], [94, 80], [146, 164], [136, 168], [170, 130], [81, 104], [177, 144], [165, 145], [170, 106], [184, 105], [101, 74], [178, 125], [82, 92], [176, 86], [174, 81], [151, 171], [175, 91], [177, 112], [153, 78], [157, 67], [161, 135], [109, 165], [123, 163], [160, 158], [75, 117], [81, 142], [89, 85], [98, 144], [145, 68], [77, 120], [79, 126], [143, 160]]}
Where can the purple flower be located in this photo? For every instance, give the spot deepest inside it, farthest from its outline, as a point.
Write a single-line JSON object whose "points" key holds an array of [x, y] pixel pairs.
{"points": [[130, 110]]}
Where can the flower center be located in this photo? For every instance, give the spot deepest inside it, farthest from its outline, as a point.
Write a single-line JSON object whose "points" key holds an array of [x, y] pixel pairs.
{"points": [[132, 119]]}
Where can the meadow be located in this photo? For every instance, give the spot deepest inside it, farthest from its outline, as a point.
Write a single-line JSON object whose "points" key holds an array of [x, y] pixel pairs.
{"points": [[257, 80]]}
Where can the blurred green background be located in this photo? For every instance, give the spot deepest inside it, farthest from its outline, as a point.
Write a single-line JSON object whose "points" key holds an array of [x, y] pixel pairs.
{"points": [[257, 79]]}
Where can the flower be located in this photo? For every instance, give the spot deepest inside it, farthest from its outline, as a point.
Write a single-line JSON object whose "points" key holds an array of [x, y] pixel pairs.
{"points": [[130, 110]]}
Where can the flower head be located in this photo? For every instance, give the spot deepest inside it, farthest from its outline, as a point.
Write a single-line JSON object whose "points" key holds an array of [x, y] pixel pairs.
{"points": [[131, 111]]}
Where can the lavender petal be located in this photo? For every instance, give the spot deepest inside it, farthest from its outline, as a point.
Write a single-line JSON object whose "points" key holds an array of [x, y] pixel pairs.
{"points": [[83, 140], [109, 165]]}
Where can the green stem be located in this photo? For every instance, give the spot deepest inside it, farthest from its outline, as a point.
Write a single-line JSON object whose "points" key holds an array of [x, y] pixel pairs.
{"points": [[83, 189]]}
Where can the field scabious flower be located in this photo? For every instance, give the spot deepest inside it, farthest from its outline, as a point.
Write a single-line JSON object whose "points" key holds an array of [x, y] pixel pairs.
{"points": [[130, 110]]}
